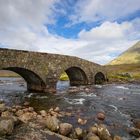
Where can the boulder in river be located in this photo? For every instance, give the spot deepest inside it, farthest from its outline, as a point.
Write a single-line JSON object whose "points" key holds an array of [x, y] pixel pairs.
{"points": [[101, 116], [65, 128], [26, 117], [103, 132], [52, 123], [6, 126], [2, 107]]}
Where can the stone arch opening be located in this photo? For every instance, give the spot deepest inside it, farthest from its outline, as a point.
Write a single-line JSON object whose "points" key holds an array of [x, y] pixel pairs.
{"points": [[34, 82], [76, 76], [99, 78]]}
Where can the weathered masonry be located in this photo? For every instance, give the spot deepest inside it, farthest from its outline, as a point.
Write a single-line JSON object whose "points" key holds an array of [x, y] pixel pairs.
{"points": [[41, 71]]}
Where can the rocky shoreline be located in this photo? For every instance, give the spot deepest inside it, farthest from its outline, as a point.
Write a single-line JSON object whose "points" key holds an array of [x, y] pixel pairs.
{"points": [[24, 123]]}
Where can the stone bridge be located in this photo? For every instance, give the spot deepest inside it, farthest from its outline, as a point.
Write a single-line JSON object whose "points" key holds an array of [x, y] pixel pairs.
{"points": [[41, 71]]}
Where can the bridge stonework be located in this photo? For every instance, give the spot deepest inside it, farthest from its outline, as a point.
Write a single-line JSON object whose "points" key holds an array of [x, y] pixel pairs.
{"points": [[41, 71]]}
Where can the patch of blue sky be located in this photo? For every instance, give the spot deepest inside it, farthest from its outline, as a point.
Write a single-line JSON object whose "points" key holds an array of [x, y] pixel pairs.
{"points": [[129, 17], [3, 45], [71, 31], [114, 54]]}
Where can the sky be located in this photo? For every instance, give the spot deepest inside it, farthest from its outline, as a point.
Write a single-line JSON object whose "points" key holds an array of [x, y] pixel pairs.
{"points": [[95, 30]]}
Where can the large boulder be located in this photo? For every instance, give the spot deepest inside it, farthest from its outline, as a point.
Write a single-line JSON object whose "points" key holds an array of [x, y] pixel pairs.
{"points": [[6, 126], [26, 117], [65, 128], [52, 123], [103, 132]]}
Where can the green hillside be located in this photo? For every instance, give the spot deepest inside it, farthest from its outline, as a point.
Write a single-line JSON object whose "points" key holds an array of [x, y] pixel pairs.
{"points": [[131, 56]]}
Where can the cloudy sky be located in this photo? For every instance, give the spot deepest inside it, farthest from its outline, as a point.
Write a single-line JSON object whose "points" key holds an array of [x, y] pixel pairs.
{"points": [[96, 30]]}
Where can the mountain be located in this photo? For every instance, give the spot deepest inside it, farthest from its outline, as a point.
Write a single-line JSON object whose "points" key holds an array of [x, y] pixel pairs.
{"points": [[130, 56]]}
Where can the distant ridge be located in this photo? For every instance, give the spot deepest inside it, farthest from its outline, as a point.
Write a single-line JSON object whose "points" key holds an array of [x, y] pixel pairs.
{"points": [[130, 56]]}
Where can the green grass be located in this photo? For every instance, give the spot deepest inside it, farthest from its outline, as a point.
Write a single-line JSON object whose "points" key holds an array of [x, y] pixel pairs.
{"points": [[64, 77], [119, 72]]}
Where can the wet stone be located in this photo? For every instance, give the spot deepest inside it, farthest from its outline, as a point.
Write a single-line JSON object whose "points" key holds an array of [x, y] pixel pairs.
{"points": [[52, 123], [65, 128], [6, 126]]}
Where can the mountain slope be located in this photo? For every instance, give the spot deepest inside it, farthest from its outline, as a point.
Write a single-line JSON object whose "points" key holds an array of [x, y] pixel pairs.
{"points": [[131, 56]]}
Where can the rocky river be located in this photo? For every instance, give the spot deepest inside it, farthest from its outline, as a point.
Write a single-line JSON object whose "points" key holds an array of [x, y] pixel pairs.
{"points": [[117, 106]]}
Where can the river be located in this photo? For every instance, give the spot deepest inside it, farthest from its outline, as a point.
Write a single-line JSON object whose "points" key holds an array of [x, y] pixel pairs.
{"points": [[120, 102]]}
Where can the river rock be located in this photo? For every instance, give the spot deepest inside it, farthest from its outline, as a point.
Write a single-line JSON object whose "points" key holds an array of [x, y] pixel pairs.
{"points": [[93, 138], [135, 132], [6, 114], [93, 129], [79, 132], [103, 132], [137, 123], [26, 117], [82, 121], [43, 113], [6, 126], [65, 128], [101, 116], [26, 104], [30, 109], [2, 107], [52, 123], [117, 138], [57, 109], [19, 112]]}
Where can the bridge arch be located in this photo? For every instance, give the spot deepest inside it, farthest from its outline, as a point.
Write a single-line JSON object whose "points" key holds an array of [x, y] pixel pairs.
{"points": [[76, 76], [34, 82], [99, 78]]}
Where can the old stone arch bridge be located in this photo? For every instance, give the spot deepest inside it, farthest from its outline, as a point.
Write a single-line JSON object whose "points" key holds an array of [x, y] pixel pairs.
{"points": [[41, 71]]}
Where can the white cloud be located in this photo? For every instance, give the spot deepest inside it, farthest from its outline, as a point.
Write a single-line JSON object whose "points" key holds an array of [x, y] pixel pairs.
{"points": [[101, 10], [22, 27], [108, 40], [31, 13], [107, 31]]}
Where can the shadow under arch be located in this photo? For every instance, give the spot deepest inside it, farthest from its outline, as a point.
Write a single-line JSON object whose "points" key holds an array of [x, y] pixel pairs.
{"points": [[34, 82], [99, 78], [76, 76]]}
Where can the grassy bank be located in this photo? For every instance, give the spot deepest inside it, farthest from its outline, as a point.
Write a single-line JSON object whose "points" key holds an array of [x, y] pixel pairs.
{"points": [[124, 72]]}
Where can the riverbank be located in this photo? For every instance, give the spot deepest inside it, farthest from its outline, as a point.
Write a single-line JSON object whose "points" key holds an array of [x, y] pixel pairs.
{"points": [[24, 123]]}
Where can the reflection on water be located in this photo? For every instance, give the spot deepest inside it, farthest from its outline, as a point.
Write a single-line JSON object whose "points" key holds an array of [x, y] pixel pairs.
{"points": [[119, 102]]}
